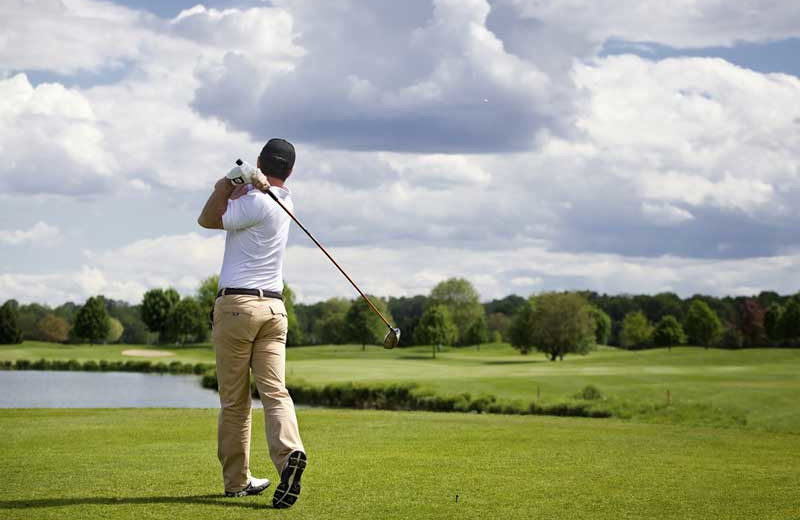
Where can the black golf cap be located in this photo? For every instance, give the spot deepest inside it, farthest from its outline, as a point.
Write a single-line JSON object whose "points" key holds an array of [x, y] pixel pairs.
{"points": [[277, 156]]}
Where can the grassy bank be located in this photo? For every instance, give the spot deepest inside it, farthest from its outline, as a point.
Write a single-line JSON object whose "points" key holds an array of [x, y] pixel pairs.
{"points": [[755, 388], [162, 464]]}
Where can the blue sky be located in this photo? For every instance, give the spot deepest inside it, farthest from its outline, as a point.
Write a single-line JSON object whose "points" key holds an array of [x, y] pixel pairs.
{"points": [[616, 146]]}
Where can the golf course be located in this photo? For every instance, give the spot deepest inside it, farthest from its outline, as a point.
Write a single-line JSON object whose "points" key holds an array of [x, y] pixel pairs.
{"points": [[724, 443]]}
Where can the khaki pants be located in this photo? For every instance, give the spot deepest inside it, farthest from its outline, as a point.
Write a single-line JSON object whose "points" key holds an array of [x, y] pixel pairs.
{"points": [[250, 332]]}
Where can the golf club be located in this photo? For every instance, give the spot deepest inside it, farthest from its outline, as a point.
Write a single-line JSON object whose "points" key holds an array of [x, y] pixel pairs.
{"points": [[393, 336]]}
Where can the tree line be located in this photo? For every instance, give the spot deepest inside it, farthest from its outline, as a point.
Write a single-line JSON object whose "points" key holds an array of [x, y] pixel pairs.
{"points": [[451, 314]]}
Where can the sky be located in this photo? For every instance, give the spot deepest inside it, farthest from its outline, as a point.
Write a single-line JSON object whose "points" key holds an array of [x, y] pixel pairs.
{"points": [[620, 146]]}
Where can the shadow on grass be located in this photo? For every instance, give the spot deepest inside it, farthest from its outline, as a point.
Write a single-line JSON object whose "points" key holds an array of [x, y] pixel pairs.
{"points": [[416, 357], [214, 500]]}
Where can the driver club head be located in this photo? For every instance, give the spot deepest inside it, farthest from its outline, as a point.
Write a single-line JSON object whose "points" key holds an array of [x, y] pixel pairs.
{"points": [[391, 339]]}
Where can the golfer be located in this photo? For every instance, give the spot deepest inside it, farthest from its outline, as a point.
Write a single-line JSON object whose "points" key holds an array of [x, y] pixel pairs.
{"points": [[250, 324]]}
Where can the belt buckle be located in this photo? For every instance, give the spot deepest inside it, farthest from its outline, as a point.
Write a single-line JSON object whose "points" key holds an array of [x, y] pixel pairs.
{"points": [[261, 293]]}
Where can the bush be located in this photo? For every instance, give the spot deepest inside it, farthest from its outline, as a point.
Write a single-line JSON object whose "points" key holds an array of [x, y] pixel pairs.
{"points": [[590, 393], [91, 366]]}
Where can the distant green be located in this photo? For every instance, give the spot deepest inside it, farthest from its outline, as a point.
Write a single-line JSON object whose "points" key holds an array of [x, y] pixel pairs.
{"points": [[150, 463], [750, 388]]}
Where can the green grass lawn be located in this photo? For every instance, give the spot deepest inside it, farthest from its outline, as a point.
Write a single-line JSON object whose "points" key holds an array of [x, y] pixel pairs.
{"points": [[754, 388], [139, 463]]}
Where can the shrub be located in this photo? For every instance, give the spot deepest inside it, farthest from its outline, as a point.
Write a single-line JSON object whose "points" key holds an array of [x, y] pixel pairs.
{"points": [[91, 366], [590, 393]]}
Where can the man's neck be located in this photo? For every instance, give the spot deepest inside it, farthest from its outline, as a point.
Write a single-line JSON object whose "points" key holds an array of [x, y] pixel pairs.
{"points": [[274, 181]]}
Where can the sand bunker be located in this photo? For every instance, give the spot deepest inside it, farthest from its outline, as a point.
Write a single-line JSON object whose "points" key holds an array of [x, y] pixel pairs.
{"points": [[147, 353]]}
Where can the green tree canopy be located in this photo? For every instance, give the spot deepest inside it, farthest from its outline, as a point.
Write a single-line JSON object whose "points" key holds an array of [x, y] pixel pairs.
{"points": [[91, 322], [562, 323], [10, 332], [187, 319], [602, 325], [294, 335], [521, 326], [435, 327], [461, 300], [477, 333], [789, 324], [772, 321], [556, 324], [703, 326], [636, 331], [53, 328], [115, 330], [669, 332], [363, 326], [157, 307]]}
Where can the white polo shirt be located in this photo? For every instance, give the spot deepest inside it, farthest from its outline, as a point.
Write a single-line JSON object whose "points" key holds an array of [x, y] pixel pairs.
{"points": [[257, 233]]}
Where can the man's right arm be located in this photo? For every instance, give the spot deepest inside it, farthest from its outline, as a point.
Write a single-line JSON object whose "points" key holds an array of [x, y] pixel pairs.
{"points": [[217, 203]]}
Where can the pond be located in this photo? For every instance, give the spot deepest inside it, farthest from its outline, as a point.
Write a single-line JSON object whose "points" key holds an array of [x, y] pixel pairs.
{"points": [[54, 389]]}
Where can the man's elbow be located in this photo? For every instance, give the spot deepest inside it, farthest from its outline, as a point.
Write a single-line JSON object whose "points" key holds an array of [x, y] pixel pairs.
{"points": [[209, 223]]}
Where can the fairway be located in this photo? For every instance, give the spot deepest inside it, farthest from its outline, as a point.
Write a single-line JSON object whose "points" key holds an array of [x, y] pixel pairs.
{"points": [[751, 388], [162, 464]]}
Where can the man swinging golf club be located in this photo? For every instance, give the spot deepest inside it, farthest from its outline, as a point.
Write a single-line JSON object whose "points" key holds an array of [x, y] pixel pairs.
{"points": [[250, 322]]}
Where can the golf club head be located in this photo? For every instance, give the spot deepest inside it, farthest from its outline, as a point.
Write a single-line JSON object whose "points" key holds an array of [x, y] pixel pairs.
{"points": [[391, 339]]}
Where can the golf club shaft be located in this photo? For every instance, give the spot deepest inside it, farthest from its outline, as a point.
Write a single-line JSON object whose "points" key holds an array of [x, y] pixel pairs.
{"points": [[275, 198]]}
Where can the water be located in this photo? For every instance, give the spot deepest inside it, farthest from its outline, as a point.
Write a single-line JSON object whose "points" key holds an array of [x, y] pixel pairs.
{"points": [[54, 389]]}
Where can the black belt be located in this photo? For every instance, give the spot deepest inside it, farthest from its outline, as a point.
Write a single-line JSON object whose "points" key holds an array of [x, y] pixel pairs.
{"points": [[250, 292]]}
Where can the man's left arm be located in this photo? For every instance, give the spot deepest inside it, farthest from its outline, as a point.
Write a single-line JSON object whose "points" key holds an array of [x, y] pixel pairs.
{"points": [[217, 203]]}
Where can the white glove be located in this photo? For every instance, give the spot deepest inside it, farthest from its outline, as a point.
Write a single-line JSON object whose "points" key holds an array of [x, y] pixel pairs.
{"points": [[241, 173], [244, 173]]}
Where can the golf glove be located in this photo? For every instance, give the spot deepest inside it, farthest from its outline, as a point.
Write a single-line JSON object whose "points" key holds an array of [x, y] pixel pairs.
{"points": [[245, 173]]}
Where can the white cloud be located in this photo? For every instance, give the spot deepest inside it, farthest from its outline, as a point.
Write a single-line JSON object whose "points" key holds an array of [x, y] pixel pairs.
{"points": [[51, 140], [680, 23], [665, 214], [41, 234], [182, 261]]}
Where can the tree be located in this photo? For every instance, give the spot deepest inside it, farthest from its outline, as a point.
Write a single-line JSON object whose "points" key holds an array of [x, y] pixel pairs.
{"points": [[477, 333], [115, 330], [28, 317], [331, 326], [668, 332], [206, 297], [702, 324], [499, 325], [602, 325], [561, 323], [91, 322], [521, 326], [187, 319], [789, 324], [751, 322], [461, 299], [10, 332], [435, 328], [772, 322], [636, 331], [157, 307], [52, 328], [407, 312], [294, 334], [363, 325], [508, 305]]}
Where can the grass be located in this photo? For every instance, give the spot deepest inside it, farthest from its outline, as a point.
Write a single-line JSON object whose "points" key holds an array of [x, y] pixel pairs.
{"points": [[402, 465], [754, 388]]}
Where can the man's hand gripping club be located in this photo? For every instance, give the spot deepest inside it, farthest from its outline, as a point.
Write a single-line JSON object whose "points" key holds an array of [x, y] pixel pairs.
{"points": [[244, 173]]}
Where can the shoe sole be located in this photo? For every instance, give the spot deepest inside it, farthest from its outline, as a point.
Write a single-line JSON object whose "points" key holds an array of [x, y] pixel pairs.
{"points": [[289, 489]]}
